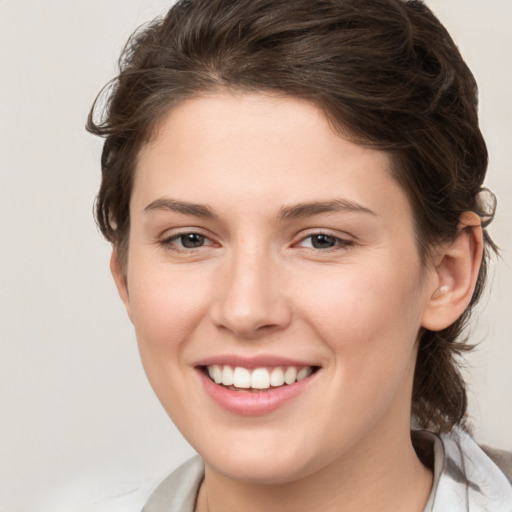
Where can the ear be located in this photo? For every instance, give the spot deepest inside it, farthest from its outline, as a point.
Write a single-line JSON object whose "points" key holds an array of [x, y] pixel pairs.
{"points": [[455, 271], [120, 280]]}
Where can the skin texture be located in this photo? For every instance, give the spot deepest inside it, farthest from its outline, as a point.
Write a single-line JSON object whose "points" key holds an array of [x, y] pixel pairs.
{"points": [[258, 286]]}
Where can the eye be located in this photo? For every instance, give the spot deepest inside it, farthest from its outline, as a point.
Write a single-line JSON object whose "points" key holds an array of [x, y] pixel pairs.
{"points": [[323, 241], [187, 241]]}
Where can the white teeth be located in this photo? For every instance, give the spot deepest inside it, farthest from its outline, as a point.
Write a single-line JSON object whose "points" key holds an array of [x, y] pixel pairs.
{"points": [[277, 377], [259, 378], [290, 375], [227, 375], [217, 373], [303, 373], [241, 378]]}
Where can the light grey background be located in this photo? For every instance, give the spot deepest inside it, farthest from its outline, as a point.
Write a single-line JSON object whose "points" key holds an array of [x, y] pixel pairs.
{"points": [[80, 429]]}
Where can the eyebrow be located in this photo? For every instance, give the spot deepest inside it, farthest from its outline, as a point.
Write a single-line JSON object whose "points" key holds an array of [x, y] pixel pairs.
{"points": [[296, 211], [197, 210], [303, 210]]}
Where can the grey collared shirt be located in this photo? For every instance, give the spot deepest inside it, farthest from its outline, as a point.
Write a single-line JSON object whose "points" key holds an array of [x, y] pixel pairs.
{"points": [[465, 479]]}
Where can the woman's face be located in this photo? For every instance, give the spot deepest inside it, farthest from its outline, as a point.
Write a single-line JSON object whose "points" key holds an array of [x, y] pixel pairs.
{"points": [[263, 245]]}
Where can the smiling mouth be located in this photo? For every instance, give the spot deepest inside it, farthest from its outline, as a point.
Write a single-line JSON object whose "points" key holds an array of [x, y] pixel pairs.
{"points": [[238, 378]]}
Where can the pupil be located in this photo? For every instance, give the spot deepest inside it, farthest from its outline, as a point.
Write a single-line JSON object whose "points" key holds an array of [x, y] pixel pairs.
{"points": [[192, 240], [323, 241]]}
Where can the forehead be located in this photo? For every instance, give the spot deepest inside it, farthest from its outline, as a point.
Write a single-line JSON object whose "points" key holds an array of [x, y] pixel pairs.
{"points": [[266, 148]]}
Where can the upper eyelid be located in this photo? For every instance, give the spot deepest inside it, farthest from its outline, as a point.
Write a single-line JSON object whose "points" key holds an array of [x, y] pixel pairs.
{"points": [[180, 231], [340, 240], [344, 236], [169, 241], [176, 236]]}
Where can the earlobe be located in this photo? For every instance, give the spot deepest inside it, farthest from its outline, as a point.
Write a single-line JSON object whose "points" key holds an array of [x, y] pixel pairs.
{"points": [[120, 279], [456, 273]]}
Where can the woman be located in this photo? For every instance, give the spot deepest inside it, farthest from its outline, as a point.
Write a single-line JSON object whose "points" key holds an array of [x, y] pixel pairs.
{"points": [[293, 191]]}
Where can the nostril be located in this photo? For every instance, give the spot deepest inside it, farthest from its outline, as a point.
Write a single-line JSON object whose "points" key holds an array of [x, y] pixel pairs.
{"points": [[253, 325]]}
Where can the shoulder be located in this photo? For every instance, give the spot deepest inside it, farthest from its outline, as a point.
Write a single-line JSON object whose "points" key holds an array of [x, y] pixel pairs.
{"points": [[177, 493], [501, 458], [478, 477]]}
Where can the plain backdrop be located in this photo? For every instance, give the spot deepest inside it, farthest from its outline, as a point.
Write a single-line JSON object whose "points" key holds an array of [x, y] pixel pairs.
{"points": [[80, 429]]}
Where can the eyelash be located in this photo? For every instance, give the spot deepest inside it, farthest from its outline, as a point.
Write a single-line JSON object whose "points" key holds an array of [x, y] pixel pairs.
{"points": [[170, 241], [340, 243]]}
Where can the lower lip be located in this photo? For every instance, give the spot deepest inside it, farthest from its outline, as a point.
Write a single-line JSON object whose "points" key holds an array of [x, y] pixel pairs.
{"points": [[253, 403]]}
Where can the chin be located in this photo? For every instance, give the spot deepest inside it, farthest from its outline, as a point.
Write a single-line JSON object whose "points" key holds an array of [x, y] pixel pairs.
{"points": [[261, 463], [255, 471]]}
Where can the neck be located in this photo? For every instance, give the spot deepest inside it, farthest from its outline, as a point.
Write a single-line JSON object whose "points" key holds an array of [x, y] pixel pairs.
{"points": [[383, 475]]}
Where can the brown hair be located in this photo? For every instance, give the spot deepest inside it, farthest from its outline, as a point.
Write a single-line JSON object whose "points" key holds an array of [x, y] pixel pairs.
{"points": [[385, 70]]}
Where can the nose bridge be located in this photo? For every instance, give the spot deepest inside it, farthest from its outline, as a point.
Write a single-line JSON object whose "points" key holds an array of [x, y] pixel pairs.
{"points": [[251, 301]]}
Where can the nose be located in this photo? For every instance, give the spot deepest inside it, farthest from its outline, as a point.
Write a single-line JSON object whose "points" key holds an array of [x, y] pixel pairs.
{"points": [[252, 301]]}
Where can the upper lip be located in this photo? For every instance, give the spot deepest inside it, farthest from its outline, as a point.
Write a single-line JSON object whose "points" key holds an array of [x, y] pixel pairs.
{"points": [[253, 362]]}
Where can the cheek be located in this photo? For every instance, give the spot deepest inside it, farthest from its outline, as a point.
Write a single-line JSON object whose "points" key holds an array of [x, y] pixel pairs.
{"points": [[363, 312], [369, 321], [168, 309], [167, 305]]}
